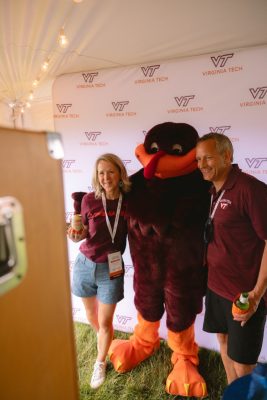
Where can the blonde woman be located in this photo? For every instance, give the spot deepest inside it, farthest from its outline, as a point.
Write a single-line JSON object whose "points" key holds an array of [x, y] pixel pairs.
{"points": [[98, 274]]}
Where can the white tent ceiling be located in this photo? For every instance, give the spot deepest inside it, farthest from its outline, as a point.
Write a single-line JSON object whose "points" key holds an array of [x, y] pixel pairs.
{"points": [[112, 33]]}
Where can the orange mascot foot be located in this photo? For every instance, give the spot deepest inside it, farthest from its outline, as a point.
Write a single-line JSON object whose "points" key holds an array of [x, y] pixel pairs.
{"points": [[127, 354], [185, 380]]}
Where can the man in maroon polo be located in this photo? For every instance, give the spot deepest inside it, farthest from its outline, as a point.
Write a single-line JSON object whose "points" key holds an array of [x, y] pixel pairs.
{"points": [[236, 236]]}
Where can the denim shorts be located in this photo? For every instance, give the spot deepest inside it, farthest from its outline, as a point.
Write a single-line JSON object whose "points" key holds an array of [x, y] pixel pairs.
{"points": [[92, 279]]}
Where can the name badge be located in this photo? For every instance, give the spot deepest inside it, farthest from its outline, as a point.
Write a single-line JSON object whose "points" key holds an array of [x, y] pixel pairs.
{"points": [[115, 264]]}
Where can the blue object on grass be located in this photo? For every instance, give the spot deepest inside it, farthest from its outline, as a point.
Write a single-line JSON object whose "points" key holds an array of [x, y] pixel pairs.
{"points": [[249, 387]]}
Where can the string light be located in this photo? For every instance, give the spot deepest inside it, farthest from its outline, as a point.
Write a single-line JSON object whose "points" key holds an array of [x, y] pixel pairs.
{"points": [[45, 65], [35, 82], [18, 106], [62, 39]]}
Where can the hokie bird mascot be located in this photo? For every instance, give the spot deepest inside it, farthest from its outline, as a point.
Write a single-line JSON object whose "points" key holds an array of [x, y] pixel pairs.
{"points": [[168, 206], [167, 209]]}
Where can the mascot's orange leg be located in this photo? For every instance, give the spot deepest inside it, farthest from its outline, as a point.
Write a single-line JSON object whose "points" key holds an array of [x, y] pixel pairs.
{"points": [[184, 380], [127, 354]]}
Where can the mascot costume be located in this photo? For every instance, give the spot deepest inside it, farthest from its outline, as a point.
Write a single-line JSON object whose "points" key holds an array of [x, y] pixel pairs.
{"points": [[167, 209], [168, 206]]}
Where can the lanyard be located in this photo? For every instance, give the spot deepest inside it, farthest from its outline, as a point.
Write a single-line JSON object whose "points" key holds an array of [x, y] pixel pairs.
{"points": [[112, 233], [216, 205]]}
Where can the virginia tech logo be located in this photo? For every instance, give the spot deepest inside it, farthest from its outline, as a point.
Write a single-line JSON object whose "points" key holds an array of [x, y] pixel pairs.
{"points": [[220, 61], [92, 135], [89, 77], [120, 109], [92, 139], [255, 162], [219, 129], [119, 105], [183, 100], [149, 75], [90, 81], [150, 70], [258, 93], [123, 319], [67, 163], [125, 162], [64, 113], [63, 108], [183, 105], [68, 215]]}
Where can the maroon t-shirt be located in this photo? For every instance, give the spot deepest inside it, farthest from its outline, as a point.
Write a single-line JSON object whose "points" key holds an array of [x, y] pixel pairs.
{"points": [[98, 243], [240, 230]]}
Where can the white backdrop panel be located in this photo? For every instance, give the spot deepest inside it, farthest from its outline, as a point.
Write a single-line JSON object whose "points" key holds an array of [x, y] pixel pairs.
{"points": [[111, 110]]}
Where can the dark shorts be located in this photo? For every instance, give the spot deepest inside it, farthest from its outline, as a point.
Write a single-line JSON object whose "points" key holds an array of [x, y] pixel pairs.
{"points": [[244, 343]]}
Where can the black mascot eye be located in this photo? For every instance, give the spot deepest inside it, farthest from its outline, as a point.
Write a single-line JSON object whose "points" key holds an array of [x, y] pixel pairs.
{"points": [[177, 149], [154, 148]]}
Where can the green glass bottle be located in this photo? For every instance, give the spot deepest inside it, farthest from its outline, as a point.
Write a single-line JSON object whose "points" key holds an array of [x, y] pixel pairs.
{"points": [[242, 303]]}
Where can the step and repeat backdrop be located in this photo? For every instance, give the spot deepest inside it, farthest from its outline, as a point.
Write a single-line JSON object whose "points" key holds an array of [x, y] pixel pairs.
{"points": [[111, 111]]}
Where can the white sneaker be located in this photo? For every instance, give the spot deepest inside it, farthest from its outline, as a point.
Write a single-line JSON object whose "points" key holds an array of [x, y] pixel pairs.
{"points": [[99, 374]]}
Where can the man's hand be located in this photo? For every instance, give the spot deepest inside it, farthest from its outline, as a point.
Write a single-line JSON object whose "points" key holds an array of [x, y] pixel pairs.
{"points": [[253, 305]]}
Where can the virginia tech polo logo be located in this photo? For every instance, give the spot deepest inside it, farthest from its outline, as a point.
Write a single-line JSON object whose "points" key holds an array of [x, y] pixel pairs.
{"points": [[63, 108], [255, 162], [89, 77], [221, 60], [183, 100], [149, 70]]}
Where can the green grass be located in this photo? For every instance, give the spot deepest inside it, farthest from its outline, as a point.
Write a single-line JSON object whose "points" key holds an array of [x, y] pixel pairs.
{"points": [[146, 381]]}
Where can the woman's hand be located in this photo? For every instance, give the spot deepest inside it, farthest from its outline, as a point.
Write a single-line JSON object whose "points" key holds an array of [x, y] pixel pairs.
{"points": [[76, 236]]}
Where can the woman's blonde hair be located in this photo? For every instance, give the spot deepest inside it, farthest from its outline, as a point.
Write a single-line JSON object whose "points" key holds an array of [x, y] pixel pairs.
{"points": [[124, 184]]}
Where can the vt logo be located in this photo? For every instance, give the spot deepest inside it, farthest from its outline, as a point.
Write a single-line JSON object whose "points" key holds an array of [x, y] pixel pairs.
{"points": [[122, 319], [119, 105], [125, 162], [69, 214], [89, 77], [128, 268], [67, 163], [183, 100], [63, 108], [150, 70], [220, 61], [219, 129], [92, 135], [255, 162], [258, 93]]}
